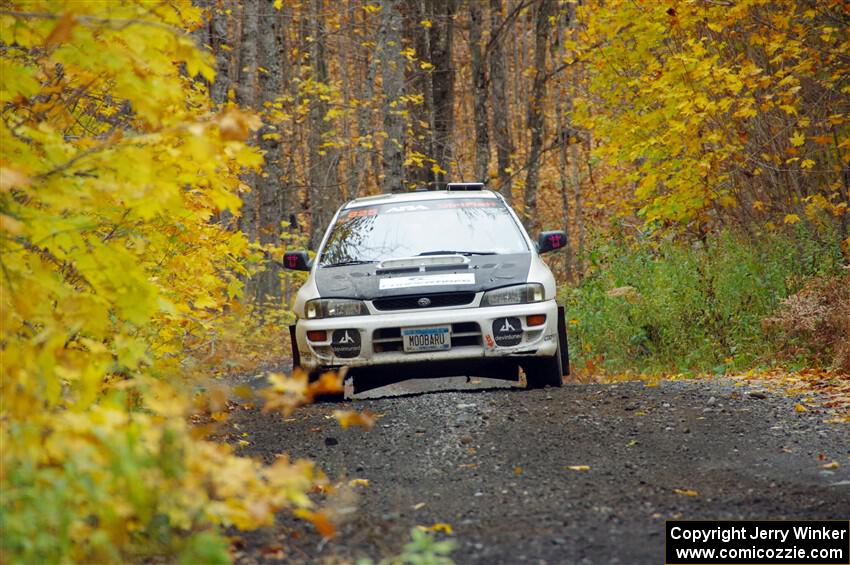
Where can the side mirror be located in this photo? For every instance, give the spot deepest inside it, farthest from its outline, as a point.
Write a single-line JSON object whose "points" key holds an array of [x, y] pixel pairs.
{"points": [[296, 260], [551, 240]]}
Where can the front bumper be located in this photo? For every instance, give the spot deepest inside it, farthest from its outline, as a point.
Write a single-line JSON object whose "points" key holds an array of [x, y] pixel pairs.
{"points": [[473, 336]]}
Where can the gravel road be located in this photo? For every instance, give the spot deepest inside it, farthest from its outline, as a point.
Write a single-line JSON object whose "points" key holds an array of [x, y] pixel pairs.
{"points": [[495, 465]]}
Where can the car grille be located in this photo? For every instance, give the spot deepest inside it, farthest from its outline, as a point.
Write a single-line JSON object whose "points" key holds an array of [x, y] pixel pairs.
{"points": [[389, 339], [411, 302]]}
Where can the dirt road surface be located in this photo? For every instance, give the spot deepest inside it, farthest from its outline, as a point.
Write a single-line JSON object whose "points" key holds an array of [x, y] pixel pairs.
{"points": [[495, 465]]}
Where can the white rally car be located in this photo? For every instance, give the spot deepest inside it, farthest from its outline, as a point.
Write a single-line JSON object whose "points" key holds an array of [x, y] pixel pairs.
{"points": [[432, 283]]}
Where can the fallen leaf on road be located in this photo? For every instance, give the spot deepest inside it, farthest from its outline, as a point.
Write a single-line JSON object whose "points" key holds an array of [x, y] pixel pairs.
{"points": [[274, 551], [418, 505], [438, 527], [831, 465], [799, 407], [685, 492], [319, 519], [348, 418], [358, 482], [578, 467], [517, 471], [243, 391]]}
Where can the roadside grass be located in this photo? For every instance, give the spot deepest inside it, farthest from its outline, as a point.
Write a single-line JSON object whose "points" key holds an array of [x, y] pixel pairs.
{"points": [[714, 306]]}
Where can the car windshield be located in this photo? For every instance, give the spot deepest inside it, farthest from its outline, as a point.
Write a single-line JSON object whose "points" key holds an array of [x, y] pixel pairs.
{"points": [[425, 227]]}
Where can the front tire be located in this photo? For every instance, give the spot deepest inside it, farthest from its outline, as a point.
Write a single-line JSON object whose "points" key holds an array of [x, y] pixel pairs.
{"points": [[543, 371]]}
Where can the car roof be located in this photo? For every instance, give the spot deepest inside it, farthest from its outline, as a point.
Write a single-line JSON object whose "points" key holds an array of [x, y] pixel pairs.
{"points": [[419, 195]]}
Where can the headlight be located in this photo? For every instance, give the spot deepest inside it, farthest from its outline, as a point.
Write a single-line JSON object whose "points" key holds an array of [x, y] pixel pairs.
{"points": [[334, 308], [519, 294]]}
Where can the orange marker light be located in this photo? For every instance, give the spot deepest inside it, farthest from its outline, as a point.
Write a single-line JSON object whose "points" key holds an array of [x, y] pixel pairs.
{"points": [[317, 335], [536, 320]]}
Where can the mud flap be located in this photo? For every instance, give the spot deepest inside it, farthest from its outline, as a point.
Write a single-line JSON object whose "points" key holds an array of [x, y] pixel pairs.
{"points": [[296, 355], [562, 340]]}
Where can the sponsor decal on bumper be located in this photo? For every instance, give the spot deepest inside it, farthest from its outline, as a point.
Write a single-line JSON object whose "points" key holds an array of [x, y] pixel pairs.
{"points": [[507, 331], [346, 343]]}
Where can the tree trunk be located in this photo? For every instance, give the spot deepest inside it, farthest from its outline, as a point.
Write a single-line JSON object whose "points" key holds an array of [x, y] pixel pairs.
{"points": [[419, 80], [219, 37], [323, 175], [442, 81], [498, 88], [564, 133], [246, 96], [269, 189], [536, 109], [479, 94], [392, 76]]}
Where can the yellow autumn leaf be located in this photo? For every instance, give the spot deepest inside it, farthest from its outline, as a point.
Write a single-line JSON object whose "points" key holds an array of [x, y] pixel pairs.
{"points": [[831, 465], [12, 178], [800, 408], [319, 519], [348, 418], [438, 527], [685, 492], [807, 164], [791, 219], [358, 483], [10, 225], [798, 139], [578, 467]]}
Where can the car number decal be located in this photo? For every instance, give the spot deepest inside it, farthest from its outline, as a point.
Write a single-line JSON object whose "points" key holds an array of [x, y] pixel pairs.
{"points": [[425, 280]]}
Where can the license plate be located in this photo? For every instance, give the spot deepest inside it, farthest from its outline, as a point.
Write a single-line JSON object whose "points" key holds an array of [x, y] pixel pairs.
{"points": [[438, 338]]}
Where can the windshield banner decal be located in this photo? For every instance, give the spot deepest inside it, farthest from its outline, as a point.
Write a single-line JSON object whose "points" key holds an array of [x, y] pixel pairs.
{"points": [[426, 280]]}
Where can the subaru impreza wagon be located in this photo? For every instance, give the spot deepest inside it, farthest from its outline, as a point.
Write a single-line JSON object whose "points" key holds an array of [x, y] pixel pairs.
{"points": [[431, 283]]}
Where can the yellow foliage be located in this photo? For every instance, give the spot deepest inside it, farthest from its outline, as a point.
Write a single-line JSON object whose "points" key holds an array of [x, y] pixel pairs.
{"points": [[117, 288], [686, 102]]}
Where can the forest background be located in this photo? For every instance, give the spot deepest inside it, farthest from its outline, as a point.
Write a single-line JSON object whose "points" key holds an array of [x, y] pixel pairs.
{"points": [[159, 157]]}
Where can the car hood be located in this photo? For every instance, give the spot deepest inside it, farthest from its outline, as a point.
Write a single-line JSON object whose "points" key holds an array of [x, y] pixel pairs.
{"points": [[367, 282]]}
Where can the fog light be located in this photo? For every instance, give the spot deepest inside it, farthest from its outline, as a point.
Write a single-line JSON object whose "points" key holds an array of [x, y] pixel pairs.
{"points": [[536, 320], [317, 335]]}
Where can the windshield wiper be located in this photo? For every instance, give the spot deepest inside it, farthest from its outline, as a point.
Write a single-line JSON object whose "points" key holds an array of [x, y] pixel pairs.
{"points": [[348, 263], [457, 253]]}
